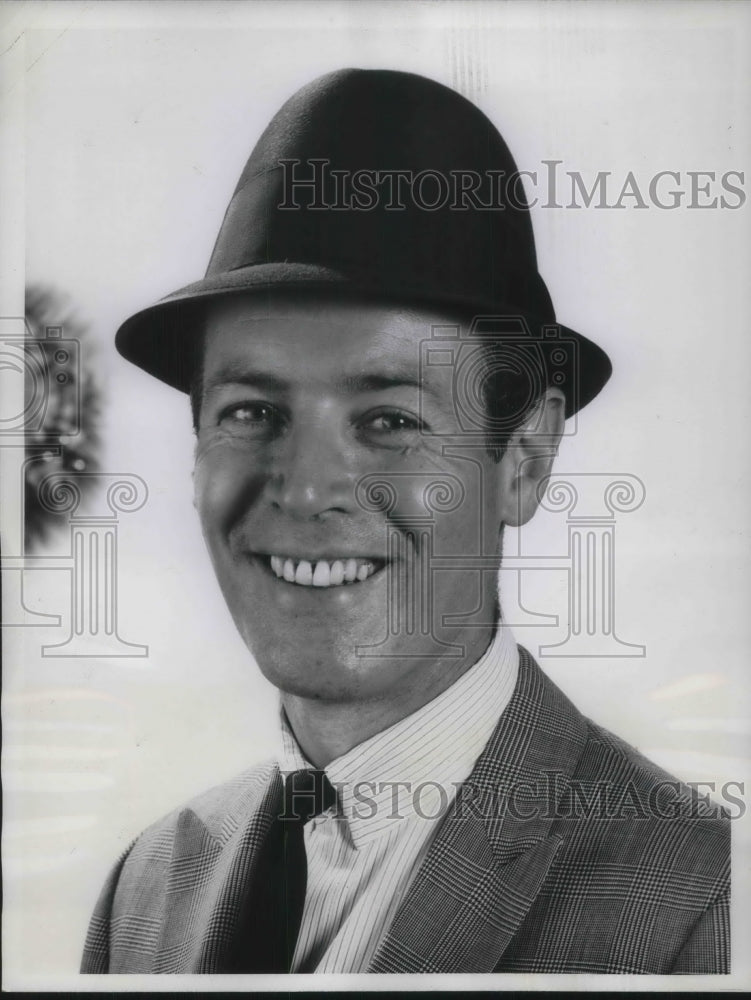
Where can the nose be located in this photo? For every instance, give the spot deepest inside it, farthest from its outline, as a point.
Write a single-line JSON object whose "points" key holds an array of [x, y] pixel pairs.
{"points": [[311, 474]]}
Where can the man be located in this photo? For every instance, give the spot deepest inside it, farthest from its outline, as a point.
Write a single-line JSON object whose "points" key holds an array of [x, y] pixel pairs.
{"points": [[379, 385]]}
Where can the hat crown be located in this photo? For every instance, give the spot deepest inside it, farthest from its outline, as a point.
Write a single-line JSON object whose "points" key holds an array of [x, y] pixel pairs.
{"points": [[379, 174], [381, 120]]}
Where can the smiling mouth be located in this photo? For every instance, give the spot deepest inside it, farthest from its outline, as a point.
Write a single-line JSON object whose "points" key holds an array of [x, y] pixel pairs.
{"points": [[322, 572]]}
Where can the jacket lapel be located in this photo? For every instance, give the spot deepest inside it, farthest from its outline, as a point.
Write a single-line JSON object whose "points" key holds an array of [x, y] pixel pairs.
{"points": [[493, 851]]}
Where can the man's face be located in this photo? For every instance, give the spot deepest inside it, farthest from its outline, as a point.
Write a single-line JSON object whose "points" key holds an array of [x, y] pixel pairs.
{"points": [[324, 489]]}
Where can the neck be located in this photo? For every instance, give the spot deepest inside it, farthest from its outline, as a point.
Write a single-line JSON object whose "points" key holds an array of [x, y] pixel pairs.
{"points": [[326, 730]]}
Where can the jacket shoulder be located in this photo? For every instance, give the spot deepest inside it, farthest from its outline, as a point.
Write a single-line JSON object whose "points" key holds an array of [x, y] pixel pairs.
{"points": [[126, 925], [615, 764], [661, 825], [651, 855], [640, 882], [219, 810]]}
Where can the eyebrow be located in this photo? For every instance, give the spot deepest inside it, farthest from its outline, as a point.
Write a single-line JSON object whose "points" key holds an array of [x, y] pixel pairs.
{"points": [[237, 375], [378, 382], [360, 382]]}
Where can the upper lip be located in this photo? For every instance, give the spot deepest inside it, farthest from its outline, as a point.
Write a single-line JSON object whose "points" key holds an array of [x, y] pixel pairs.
{"points": [[321, 555]]}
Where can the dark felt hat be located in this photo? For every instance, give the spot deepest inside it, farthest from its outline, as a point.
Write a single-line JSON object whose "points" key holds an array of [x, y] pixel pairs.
{"points": [[376, 183]]}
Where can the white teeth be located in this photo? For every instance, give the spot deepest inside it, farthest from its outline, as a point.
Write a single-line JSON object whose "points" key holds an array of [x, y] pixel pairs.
{"points": [[321, 573]]}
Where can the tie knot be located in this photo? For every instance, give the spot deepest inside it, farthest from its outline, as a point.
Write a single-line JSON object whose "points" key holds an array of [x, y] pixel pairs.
{"points": [[307, 794]]}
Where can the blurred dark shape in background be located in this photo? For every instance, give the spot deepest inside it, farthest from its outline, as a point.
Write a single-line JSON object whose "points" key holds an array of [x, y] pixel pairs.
{"points": [[62, 406]]}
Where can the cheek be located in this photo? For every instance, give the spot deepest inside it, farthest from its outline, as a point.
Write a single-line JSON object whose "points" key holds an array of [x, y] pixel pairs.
{"points": [[452, 504], [227, 479]]}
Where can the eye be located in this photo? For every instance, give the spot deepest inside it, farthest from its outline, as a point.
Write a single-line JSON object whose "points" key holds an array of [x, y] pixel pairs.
{"points": [[252, 419], [390, 427]]}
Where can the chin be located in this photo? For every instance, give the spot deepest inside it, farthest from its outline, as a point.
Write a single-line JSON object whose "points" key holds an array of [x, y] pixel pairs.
{"points": [[329, 670], [334, 682]]}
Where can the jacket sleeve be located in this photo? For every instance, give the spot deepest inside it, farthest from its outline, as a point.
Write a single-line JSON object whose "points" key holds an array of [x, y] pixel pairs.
{"points": [[96, 951], [707, 949]]}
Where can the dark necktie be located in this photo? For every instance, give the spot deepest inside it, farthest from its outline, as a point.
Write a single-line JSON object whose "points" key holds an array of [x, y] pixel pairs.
{"points": [[268, 928]]}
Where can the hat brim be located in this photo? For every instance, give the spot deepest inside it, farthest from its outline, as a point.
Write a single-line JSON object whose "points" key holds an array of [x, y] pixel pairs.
{"points": [[163, 339]]}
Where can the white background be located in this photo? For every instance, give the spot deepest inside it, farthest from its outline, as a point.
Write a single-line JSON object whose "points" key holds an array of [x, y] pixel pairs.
{"points": [[129, 125]]}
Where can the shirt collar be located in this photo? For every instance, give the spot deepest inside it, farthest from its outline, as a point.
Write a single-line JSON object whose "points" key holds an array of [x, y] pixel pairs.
{"points": [[410, 771]]}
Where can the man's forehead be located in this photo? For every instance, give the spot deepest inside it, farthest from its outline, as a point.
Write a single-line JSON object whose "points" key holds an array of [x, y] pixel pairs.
{"points": [[298, 328]]}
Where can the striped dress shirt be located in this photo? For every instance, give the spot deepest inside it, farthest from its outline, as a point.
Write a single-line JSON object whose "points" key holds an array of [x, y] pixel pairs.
{"points": [[394, 789]]}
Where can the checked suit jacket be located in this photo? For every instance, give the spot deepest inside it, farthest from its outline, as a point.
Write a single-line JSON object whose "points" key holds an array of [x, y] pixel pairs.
{"points": [[566, 851]]}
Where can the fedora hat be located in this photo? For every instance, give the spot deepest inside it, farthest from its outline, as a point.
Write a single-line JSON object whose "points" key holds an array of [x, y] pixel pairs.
{"points": [[377, 183]]}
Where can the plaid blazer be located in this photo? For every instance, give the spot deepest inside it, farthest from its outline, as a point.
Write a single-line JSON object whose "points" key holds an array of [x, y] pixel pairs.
{"points": [[567, 851]]}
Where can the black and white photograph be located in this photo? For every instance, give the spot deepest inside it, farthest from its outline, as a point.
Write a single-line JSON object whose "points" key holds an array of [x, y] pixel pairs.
{"points": [[374, 495]]}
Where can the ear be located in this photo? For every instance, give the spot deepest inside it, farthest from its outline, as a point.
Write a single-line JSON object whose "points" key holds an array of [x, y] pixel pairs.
{"points": [[528, 459]]}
